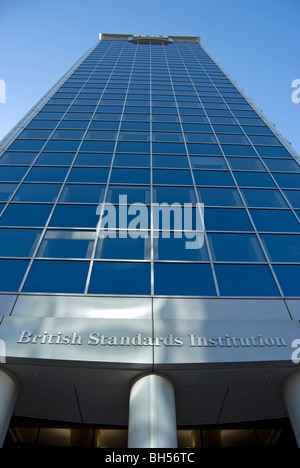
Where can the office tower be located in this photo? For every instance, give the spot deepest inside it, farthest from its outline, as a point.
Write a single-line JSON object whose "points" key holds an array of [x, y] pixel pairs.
{"points": [[149, 242]]}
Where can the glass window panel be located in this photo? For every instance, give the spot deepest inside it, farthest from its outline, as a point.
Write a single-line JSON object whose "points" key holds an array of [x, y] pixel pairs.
{"points": [[36, 134], [175, 194], [100, 135], [18, 242], [12, 173], [264, 140], [164, 160], [167, 136], [235, 247], [248, 164], [282, 247], [98, 146], [104, 125], [67, 244], [254, 179], [54, 159], [273, 151], [79, 193], [81, 216], [131, 245], [172, 177], [200, 137], [6, 191], [246, 280], [288, 180], [66, 276], [218, 178], [47, 174], [208, 162], [251, 129], [275, 220], [238, 139], [21, 214], [120, 278], [219, 196], [73, 124], [283, 165], [293, 197], [37, 193], [227, 219], [66, 134], [171, 148], [132, 160], [62, 145], [288, 276], [35, 123], [130, 176], [133, 147], [227, 129], [88, 174], [15, 157], [134, 194], [11, 274], [264, 198], [205, 149], [93, 159], [198, 279], [238, 150], [180, 246]]}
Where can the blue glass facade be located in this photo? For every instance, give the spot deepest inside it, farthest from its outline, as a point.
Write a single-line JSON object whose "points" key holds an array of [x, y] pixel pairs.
{"points": [[157, 123]]}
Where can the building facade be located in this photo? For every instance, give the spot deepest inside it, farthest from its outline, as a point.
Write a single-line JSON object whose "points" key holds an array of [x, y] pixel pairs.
{"points": [[149, 249]]}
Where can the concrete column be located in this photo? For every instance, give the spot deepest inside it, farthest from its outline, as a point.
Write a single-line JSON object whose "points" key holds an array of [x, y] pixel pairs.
{"points": [[291, 395], [9, 388], [152, 415]]}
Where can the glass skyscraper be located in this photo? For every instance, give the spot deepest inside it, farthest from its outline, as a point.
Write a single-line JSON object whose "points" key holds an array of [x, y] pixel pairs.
{"points": [[145, 188]]}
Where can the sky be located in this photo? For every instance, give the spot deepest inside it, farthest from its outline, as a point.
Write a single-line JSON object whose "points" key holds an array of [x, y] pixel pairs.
{"points": [[256, 41]]}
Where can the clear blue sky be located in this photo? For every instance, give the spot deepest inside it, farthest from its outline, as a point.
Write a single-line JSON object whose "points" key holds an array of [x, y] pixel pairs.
{"points": [[256, 41]]}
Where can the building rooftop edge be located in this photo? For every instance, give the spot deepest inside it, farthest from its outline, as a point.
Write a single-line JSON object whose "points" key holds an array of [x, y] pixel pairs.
{"points": [[148, 37]]}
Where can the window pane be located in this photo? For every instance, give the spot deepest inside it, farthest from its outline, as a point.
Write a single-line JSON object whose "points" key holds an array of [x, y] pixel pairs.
{"points": [[120, 278], [79, 193], [11, 274], [133, 246], [218, 178], [67, 244], [87, 174], [275, 220], [208, 162], [264, 197], [6, 191], [254, 179], [235, 247], [247, 164], [288, 276], [245, 280], [15, 157], [93, 159], [180, 248], [282, 247], [66, 276], [294, 197], [18, 242], [172, 177], [47, 174], [25, 215], [75, 216], [37, 192], [54, 159], [12, 173], [173, 195], [219, 196], [198, 279], [130, 176], [227, 219]]}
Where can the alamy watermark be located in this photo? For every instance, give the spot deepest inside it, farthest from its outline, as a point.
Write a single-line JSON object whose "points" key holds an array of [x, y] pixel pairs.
{"points": [[296, 92], [138, 220]]}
